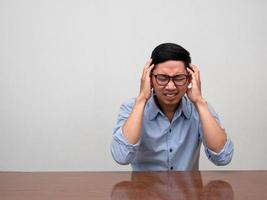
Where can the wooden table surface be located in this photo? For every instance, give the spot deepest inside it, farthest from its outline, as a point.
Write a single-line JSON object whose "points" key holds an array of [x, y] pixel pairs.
{"points": [[133, 185]]}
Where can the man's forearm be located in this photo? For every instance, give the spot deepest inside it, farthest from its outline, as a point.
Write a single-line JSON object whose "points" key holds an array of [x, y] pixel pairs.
{"points": [[132, 127], [214, 135]]}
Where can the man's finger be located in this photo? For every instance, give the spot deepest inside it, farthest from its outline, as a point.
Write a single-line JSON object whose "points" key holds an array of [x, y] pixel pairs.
{"points": [[195, 68], [196, 72], [192, 75], [148, 63], [149, 69], [190, 71]]}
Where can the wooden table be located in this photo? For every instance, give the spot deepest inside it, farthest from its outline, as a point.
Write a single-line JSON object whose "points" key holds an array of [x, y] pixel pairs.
{"points": [[137, 185]]}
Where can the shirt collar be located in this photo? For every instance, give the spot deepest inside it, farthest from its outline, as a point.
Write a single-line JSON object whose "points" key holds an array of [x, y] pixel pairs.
{"points": [[184, 108], [153, 109]]}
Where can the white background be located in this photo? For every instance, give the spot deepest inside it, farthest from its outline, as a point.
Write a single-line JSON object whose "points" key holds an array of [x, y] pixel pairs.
{"points": [[66, 66]]}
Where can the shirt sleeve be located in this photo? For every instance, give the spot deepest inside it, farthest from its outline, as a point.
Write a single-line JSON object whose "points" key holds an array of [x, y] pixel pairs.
{"points": [[225, 155], [122, 151]]}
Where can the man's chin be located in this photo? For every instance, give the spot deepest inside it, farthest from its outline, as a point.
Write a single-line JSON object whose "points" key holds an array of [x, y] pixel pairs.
{"points": [[171, 101], [163, 100]]}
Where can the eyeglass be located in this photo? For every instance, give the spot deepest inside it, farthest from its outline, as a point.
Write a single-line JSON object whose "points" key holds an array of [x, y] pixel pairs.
{"points": [[178, 80]]}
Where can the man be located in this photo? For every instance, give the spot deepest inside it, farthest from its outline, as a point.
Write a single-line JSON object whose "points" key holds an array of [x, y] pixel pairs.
{"points": [[163, 127]]}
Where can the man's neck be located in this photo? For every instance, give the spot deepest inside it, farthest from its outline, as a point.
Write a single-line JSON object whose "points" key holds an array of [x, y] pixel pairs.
{"points": [[167, 110]]}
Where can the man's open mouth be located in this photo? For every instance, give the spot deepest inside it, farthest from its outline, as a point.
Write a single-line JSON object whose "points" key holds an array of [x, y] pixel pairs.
{"points": [[170, 95]]}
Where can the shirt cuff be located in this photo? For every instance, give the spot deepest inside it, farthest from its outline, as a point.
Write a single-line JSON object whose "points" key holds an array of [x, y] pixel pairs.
{"points": [[119, 137], [218, 155]]}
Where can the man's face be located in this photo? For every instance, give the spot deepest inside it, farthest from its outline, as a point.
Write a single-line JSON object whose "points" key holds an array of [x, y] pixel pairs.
{"points": [[170, 94]]}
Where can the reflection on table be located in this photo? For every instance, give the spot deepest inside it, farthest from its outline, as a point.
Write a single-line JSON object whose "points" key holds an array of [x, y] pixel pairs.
{"points": [[164, 185]]}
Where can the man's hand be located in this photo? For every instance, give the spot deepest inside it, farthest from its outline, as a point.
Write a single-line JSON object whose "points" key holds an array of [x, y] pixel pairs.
{"points": [[194, 93], [145, 88], [214, 135], [132, 127]]}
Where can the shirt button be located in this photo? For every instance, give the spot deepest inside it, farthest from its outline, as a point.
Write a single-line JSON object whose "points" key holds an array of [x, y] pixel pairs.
{"points": [[170, 150], [171, 168], [170, 130]]}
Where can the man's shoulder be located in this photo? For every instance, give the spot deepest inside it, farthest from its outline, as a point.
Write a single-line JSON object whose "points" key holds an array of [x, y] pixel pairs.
{"points": [[128, 104], [193, 108], [129, 101]]}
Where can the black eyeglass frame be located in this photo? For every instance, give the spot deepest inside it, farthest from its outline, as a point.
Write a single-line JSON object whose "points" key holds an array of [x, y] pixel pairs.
{"points": [[188, 77]]}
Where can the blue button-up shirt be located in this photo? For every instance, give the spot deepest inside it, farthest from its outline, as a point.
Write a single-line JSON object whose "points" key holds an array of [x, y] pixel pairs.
{"points": [[166, 145]]}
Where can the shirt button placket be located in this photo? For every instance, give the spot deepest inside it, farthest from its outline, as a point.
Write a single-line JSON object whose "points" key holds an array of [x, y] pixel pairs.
{"points": [[170, 150]]}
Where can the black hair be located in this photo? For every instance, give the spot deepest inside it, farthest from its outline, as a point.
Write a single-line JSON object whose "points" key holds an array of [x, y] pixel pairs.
{"points": [[170, 51]]}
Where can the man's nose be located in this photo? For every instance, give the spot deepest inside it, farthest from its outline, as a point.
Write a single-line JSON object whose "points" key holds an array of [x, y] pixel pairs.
{"points": [[171, 85]]}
